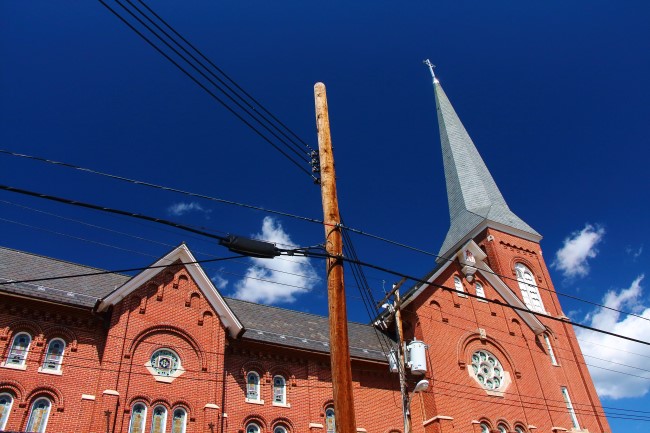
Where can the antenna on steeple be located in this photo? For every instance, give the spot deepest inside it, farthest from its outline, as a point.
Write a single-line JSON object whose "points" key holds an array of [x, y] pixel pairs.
{"points": [[431, 69]]}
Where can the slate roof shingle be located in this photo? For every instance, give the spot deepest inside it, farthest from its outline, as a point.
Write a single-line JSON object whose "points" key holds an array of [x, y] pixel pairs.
{"points": [[81, 291], [262, 323]]}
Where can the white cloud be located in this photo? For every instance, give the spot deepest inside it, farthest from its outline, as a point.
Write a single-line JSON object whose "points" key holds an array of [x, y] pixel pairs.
{"points": [[571, 259], [178, 209], [635, 253], [219, 281], [280, 279], [608, 355]]}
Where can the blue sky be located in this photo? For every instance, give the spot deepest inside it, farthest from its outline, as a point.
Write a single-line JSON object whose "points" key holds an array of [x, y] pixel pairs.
{"points": [[554, 95]]}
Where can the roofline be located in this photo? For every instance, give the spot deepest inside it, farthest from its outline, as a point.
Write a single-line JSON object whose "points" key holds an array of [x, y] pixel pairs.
{"points": [[487, 223], [47, 301], [182, 253]]}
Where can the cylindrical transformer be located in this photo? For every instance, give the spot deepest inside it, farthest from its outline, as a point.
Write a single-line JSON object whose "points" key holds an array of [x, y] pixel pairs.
{"points": [[417, 357]]}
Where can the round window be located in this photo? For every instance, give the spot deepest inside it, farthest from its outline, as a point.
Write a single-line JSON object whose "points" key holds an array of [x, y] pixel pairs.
{"points": [[165, 362], [487, 369]]}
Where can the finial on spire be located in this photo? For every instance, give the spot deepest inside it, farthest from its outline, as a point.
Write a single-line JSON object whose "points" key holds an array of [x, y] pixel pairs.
{"points": [[431, 69]]}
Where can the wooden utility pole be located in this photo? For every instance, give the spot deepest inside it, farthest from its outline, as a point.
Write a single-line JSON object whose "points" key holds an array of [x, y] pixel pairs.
{"points": [[339, 346], [402, 360]]}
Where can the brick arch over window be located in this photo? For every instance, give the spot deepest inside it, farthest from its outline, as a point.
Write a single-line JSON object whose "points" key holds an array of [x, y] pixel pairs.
{"points": [[21, 325], [14, 388], [161, 402], [504, 423], [144, 398], [255, 366], [48, 391], [282, 421], [281, 371], [328, 403], [524, 261], [66, 334], [184, 404], [256, 418], [169, 329], [464, 344]]}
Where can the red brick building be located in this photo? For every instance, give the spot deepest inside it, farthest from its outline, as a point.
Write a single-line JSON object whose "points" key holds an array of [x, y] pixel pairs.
{"points": [[164, 351]]}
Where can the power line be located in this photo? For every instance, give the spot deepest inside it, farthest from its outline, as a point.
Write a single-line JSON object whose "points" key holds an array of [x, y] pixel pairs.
{"points": [[157, 186], [212, 94], [308, 219]]}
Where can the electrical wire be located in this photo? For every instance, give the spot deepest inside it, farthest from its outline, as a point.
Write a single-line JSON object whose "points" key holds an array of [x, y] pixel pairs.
{"points": [[212, 94]]}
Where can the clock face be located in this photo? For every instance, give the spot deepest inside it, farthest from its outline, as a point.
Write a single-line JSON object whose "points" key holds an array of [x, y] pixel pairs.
{"points": [[165, 362]]}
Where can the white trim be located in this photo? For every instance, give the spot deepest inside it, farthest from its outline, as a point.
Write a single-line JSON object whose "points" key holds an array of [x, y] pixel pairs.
{"points": [[315, 425], [362, 430], [87, 397], [13, 366], [287, 405], [49, 371], [110, 392], [210, 292], [211, 406], [423, 286], [558, 429], [436, 418], [248, 400]]}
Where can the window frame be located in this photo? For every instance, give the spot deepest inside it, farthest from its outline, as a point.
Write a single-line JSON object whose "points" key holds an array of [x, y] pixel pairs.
{"points": [[249, 396], [458, 285], [184, 418], [283, 400], [30, 420], [163, 427], [330, 410], [253, 424], [480, 291], [59, 363], [569, 406], [528, 288], [485, 427], [144, 416], [280, 429], [13, 350], [549, 347], [5, 416]]}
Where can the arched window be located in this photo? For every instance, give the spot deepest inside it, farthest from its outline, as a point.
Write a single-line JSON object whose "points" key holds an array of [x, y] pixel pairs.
{"points": [[252, 428], [485, 428], [38, 415], [6, 401], [54, 355], [528, 287], [502, 429], [458, 285], [138, 418], [330, 422], [487, 370], [253, 386], [479, 290], [158, 419], [179, 420], [279, 390], [519, 429], [551, 354], [19, 348], [279, 429]]}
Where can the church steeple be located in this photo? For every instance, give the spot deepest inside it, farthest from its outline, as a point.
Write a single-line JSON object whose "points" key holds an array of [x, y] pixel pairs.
{"points": [[475, 201]]}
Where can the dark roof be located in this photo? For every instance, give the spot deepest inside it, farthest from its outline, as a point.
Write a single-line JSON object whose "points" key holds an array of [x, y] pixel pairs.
{"points": [[280, 326], [81, 291]]}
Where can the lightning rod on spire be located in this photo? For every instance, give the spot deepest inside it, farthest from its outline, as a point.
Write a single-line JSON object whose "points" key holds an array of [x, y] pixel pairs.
{"points": [[431, 69]]}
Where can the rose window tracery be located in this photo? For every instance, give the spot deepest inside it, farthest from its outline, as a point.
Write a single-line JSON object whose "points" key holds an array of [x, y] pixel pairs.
{"points": [[487, 370]]}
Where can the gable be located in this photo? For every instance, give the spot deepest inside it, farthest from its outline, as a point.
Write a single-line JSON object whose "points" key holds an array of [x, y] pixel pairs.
{"points": [[183, 255], [478, 265]]}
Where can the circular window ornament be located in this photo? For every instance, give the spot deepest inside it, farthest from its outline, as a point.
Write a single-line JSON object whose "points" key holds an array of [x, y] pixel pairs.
{"points": [[165, 362], [487, 370]]}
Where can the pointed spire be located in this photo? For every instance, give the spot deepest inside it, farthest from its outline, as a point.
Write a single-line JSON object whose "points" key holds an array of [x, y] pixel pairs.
{"points": [[473, 196]]}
